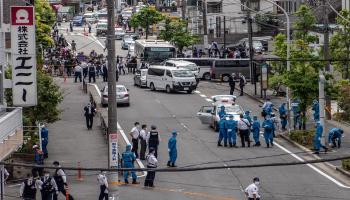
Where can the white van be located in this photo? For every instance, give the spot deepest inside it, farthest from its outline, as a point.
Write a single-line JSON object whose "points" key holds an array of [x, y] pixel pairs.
{"points": [[184, 64], [170, 79]]}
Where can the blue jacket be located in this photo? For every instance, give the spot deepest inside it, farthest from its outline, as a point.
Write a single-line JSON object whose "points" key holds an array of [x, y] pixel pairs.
{"points": [[282, 110], [222, 123], [334, 132], [172, 144], [231, 124], [319, 131], [256, 126], [247, 117], [44, 133], [222, 113], [268, 126], [128, 156]]}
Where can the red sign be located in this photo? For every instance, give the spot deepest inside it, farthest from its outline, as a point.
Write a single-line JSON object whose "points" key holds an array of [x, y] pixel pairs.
{"points": [[22, 15], [113, 136]]}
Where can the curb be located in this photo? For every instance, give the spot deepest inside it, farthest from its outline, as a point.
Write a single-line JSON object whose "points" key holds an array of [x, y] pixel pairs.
{"points": [[342, 171]]}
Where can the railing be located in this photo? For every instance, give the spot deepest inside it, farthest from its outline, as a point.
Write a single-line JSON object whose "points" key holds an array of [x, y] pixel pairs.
{"points": [[10, 121], [167, 8]]}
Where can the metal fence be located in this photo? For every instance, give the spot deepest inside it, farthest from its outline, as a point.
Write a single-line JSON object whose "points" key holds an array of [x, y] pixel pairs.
{"points": [[9, 122]]}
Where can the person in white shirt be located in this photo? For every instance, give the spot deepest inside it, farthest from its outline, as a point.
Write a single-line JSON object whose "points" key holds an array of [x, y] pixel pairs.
{"points": [[103, 182], [143, 141], [252, 191], [243, 129], [77, 73], [135, 134], [152, 162]]}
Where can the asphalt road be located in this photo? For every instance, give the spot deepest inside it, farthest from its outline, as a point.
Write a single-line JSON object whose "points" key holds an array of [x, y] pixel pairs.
{"points": [[197, 145]]}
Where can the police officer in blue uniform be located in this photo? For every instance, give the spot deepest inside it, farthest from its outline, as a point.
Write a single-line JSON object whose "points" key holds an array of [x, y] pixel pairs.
{"points": [[334, 135], [256, 131], [222, 132], [172, 150], [231, 129], [44, 140], [316, 109], [268, 131], [222, 112], [128, 162], [317, 138], [283, 116]]}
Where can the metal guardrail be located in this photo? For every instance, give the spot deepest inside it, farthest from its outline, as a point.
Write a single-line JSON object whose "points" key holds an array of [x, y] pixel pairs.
{"points": [[9, 122]]}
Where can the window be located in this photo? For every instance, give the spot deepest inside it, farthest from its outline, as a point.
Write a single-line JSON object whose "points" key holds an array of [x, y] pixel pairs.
{"points": [[168, 73], [169, 64], [289, 6], [214, 7], [155, 72], [231, 63], [254, 5]]}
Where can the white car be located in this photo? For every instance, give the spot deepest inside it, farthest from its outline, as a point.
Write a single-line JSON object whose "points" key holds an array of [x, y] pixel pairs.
{"points": [[119, 33], [90, 18], [210, 114], [131, 50], [184, 64], [123, 97]]}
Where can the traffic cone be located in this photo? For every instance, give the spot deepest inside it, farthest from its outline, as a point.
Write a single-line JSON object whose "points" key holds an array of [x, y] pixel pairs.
{"points": [[79, 177]]}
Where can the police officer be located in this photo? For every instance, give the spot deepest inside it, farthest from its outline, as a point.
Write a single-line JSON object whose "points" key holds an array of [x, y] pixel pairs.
{"points": [[252, 191], [283, 116], [102, 180], [334, 135], [48, 187], [28, 188], [232, 83], [222, 112], [317, 138], [172, 150], [143, 141], [128, 162], [44, 140], [90, 111], [256, 131], [135, 135], [268, 131], [74, 46], [153, 140], [316, 109], [231, 129], [92, 72], [61, 181], [222, 132], [152, 162], [247, 116], [105, 72], [85, 69]]}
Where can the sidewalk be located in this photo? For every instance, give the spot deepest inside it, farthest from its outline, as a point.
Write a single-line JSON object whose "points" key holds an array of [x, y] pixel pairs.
{"points": [[329, 124]]}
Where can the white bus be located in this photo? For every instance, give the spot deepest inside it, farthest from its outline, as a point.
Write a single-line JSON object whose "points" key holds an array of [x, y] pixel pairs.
{"points": [[154, 51]]}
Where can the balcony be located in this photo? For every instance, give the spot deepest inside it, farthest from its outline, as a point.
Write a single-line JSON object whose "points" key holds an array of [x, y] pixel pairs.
{"points": [[167, 9], [11, 131]]}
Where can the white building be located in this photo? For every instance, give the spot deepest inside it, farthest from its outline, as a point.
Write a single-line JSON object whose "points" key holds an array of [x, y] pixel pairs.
{"points": [[345, 4]]}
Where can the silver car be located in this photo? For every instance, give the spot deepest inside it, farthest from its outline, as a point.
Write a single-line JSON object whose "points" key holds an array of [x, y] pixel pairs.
{"points": [[119, 33], [123, 97], [127, 40]]}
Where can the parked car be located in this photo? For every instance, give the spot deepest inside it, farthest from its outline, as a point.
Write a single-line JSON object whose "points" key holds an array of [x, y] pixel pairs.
{"points": [[101, 29], [140, 78], [78, 20], [119, 33], [123, 97], [127, 41], [90, 18], [183, 64]]}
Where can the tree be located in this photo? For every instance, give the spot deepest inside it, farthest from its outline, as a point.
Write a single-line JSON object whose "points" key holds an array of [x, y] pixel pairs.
{"points": [[146, 17], [340, 44], [44, 19], [302, 79], [49, 97], [175, 32]]}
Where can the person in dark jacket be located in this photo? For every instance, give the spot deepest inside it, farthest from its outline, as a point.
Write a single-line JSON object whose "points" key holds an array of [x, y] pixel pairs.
{"points": [[242, 82], [89, 115], [153, 140], [105, 72], [232, 83]]}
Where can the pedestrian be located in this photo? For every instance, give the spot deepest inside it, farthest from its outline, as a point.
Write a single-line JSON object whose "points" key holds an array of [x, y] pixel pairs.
{"points": [[152, 163], [222, 112], [92, 72], [268, 131], [102, 180], [154, 139], [172, 150], [143, 141], [44, 140], [275, 124], [71, 26], [283, 116], [247, 116], [195, 52], [267, 108], [135, 134], [74, 46], [252, 191], [232, 83], [128, 162], [89, 114], [316, 109], [61, 181], [243, 129], [89, 27], [256, 131], [317, 138], [105, 72], [231, 130], [39, 160], [334, 137], [77, 72], [48, 186], [222, 132], [85, 69], [28, 188], [242, 83]]}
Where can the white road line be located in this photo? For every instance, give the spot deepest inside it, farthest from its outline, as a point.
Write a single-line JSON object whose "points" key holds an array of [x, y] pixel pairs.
{"points": [[209, 100], [203, 95], [97, 41], [312, 167], [197, 92]]}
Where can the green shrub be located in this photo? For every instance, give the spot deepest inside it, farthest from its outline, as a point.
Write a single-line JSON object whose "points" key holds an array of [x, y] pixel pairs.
{"points": [[303, 137], [346, 164]]}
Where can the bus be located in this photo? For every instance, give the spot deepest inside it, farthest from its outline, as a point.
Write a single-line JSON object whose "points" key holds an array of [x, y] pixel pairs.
{"points": [[154, 51]]}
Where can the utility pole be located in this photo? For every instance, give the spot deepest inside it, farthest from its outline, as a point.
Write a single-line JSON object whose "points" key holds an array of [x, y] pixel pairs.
{"points": [[251, 49], [183, 9], [112, 100], [205, 26], [326, 55], [224, 33]]}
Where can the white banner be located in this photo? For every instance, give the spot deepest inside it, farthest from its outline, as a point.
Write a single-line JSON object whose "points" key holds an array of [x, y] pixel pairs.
{"points": [[113, 150], [24, 87]]}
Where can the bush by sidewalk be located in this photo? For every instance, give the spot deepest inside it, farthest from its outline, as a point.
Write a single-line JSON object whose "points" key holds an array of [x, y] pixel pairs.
{"points": [[346, 164], [303, 137]]}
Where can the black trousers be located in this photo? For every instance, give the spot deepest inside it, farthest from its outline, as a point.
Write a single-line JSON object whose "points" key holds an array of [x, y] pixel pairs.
{"points": [[244, 135], [253, 198], [103, 195], [149, 181], [143, 149], [155, 147], [105, 77], [135, 146], [89, 121], [232, 89], [47, 195], [77, 75], [241, 87], [93, 77]]}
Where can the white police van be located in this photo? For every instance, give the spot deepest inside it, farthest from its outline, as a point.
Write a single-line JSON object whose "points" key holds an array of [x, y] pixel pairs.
{"points": [[170, 79]]}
